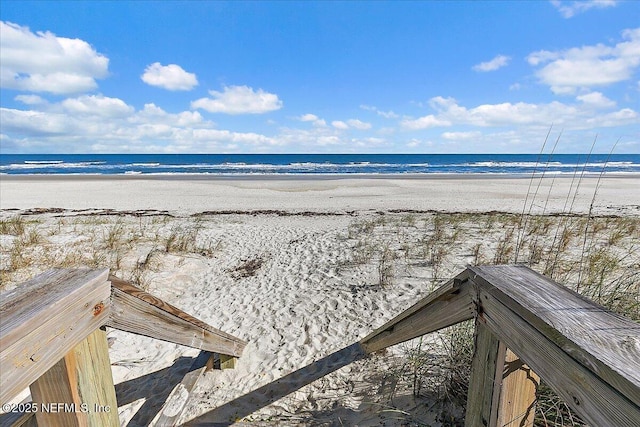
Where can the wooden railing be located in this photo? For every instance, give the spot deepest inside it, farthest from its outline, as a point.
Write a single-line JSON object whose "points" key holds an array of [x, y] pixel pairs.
{"points": [[52, 340], [588, 355]]}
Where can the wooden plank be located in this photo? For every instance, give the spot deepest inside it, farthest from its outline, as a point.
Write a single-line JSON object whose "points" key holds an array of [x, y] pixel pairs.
{"points": [[227, 362], [448, 305], [174, 406], [263, 396], [78, 390], [139, 312], [517, 393], [486, 375], [44, 318], [596, 401], [601, 341]]}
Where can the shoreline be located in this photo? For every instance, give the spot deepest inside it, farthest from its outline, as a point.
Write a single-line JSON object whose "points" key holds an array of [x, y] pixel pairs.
{"points": [[312, 177]]}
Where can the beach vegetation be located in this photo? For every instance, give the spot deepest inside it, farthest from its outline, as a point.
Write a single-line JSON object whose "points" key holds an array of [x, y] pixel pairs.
{"points": [[386, 266], [14, 225], [247, 268], [478, 256], [505, 247], [114, 234], [183, 238], [140, 275]]}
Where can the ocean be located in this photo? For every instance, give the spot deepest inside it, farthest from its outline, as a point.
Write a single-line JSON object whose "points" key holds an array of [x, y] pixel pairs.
{"points": [[314, 164]]}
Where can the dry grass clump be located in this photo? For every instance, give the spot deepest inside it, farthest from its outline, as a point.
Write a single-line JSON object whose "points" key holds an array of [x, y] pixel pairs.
{"points": [[386, 267], [14, 225], [246, 268], [392, 243], [436, 369], [30, 247]]}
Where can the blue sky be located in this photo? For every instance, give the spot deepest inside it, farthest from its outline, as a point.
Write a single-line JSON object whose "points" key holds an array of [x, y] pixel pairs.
{"points": [[319, 77]]}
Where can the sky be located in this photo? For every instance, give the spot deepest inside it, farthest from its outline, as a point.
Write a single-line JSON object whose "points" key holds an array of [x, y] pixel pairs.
{"points": [[319, 77]]}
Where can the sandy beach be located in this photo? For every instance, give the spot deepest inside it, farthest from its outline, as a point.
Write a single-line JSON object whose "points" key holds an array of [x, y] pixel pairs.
{"points": [[186, 195], [334, 258]]}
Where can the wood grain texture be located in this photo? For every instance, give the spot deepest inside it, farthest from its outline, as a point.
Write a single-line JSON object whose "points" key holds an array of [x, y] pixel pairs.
{"points": [[172, 409], [603, 342], [448, 305], [517, 393], [138, 312], [596, 401], [484, 384], [44, 318], [78, 390]]}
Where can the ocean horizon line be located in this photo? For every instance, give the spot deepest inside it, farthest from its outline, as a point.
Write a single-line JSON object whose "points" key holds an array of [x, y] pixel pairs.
{"points": [[316, 164]]}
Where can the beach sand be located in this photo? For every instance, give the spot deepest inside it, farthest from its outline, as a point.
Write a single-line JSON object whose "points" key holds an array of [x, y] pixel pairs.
{"points": [[190, 195], [319, 287]]}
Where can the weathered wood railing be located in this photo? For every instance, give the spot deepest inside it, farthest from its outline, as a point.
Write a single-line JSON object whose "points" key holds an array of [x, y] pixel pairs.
{"points": [[588, 355], [52, 340], [525, 323]]}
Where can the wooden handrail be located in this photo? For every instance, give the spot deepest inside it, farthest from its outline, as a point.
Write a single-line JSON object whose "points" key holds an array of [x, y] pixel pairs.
{"points": [[448, 305], [136, 311], [603, 342], [52, 340], [588, 355], [44, 318]]}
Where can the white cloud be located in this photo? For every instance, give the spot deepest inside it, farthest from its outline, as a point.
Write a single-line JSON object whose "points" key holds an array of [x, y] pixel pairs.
{"points": [[569, 9], [339, 124], [97, 105], [386, 114], [153, 113], [414, 143], [458, 136], [102, 124], [351, 124], [358, 124], [30, 123], [308, 118], [170, 77], [596, 100], [30, 99], [425, 122], [492, 65], [588, 66], [570, 116], [239, 100], [43, 62], [317, 121]]}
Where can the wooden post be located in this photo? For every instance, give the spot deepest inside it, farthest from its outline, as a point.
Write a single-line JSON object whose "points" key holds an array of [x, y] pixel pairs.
{"points": [[518, 393], [177, 400], [78, 390], [486, 376], [227, 362]]}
